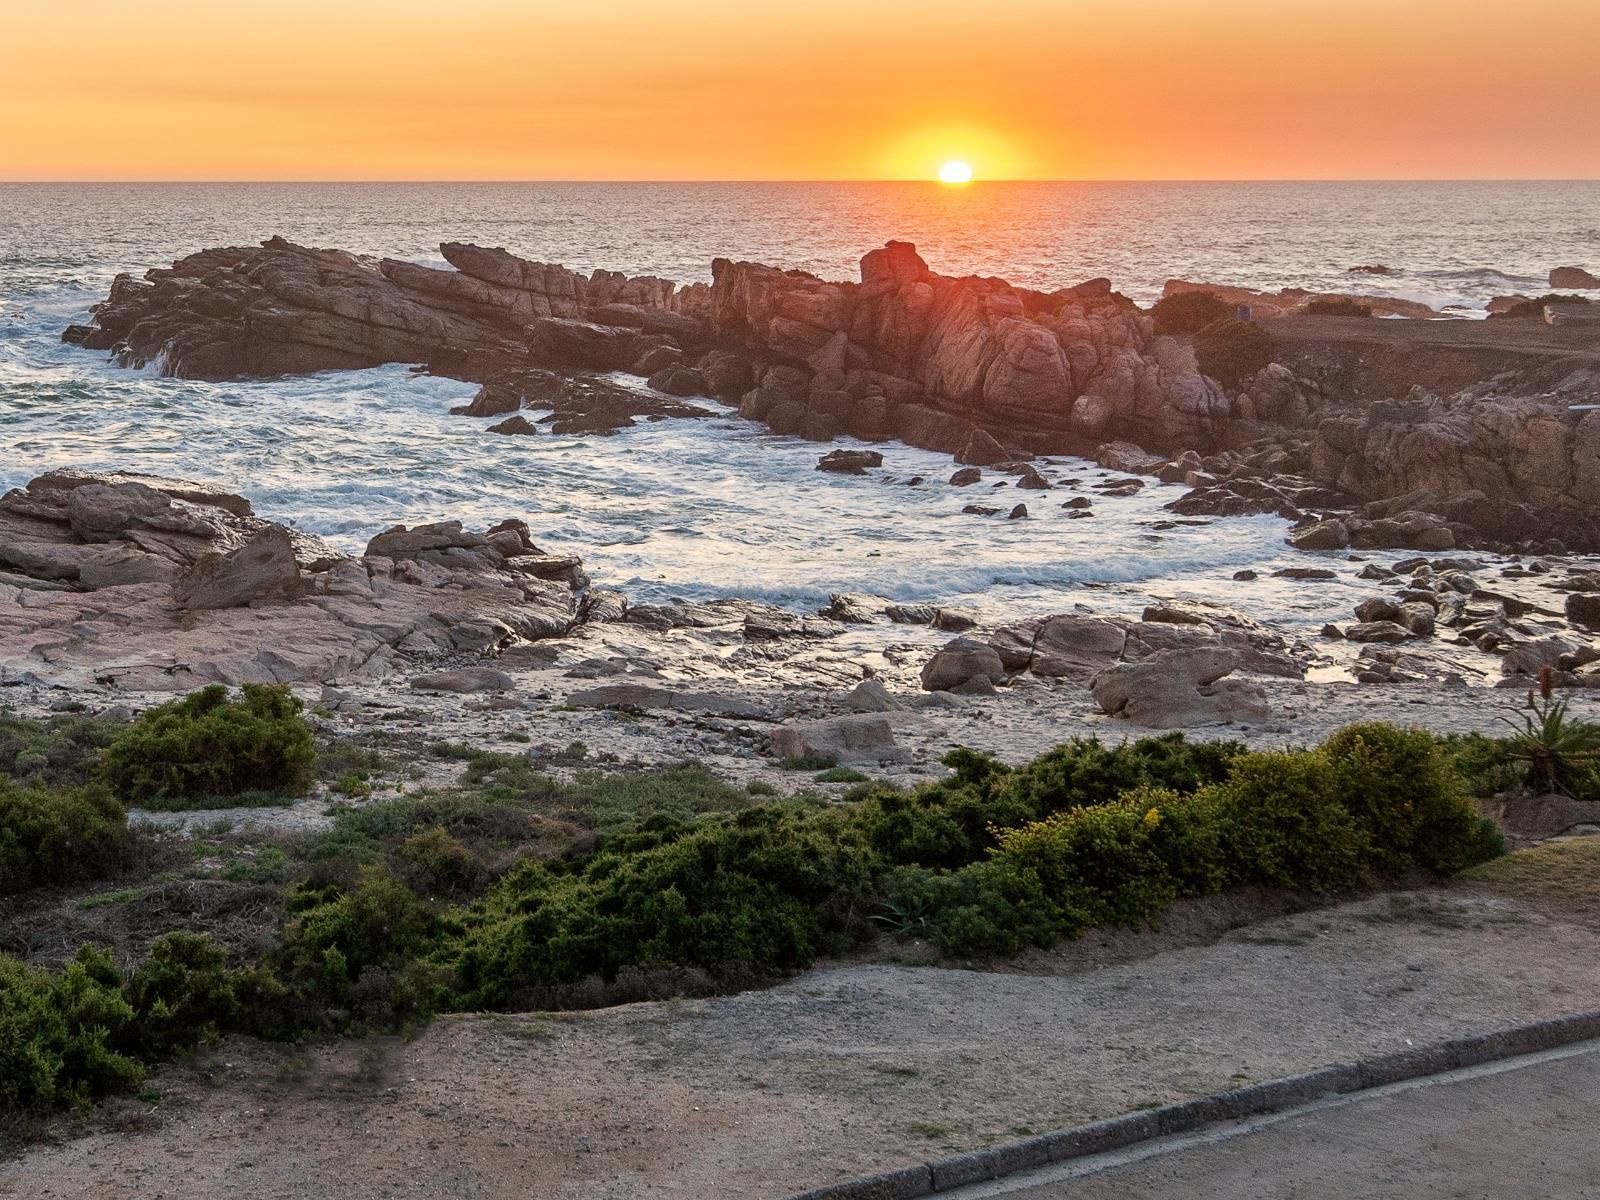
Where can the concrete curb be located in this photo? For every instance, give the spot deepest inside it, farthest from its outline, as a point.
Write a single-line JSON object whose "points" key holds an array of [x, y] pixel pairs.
{"points": [[1277, 1095]]}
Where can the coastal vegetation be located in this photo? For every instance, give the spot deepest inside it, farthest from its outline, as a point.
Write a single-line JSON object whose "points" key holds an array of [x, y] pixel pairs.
{"points": [[515, 888]]}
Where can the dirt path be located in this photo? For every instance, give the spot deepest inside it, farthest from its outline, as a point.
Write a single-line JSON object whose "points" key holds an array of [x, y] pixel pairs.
{"points": [[838, 1072]]}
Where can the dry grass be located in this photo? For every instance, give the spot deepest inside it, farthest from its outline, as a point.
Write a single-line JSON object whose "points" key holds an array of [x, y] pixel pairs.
{"points": [[1559, 877]]}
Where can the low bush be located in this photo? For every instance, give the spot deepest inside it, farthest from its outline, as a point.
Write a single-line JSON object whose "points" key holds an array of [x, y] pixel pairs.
{"points": [[1190, 312], [207, 746], [58, 751], [52, 836], [417, 905], [1370, 799], [1231, 351], [84, 1031], [59, 1032], [757, 891]]}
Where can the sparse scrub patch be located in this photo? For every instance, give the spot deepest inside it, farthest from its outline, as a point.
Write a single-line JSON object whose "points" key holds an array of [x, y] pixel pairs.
{"points": [[1190, 312], [1231, 351], [52, 836]]}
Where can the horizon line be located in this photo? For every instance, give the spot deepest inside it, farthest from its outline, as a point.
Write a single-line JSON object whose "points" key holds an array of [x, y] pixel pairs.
{"points": [[932, 182]]}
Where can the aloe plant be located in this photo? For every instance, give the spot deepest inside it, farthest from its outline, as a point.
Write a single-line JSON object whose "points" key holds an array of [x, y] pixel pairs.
{"points": [[1558, 750]]}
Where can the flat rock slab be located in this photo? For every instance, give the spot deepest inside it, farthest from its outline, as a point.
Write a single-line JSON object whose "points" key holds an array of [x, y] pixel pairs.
{"points": [[465, 679], [644, 696]]}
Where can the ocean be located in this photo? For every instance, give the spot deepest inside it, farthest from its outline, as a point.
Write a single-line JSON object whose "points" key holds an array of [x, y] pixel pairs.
{"points": [[714, 507]]}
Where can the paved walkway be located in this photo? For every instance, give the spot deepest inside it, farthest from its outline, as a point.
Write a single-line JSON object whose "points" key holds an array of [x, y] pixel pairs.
{"points": [[1503, 1131]]}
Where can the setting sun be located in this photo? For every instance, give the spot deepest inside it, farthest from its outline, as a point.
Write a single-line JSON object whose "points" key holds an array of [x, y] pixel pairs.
{"points": [[955, 172]]}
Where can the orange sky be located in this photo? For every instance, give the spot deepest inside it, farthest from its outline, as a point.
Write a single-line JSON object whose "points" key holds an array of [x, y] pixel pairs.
{"points": [[821, 89]]}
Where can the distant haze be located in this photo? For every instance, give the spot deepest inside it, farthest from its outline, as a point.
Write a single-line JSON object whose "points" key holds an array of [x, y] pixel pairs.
{"points": [[819, 89]]}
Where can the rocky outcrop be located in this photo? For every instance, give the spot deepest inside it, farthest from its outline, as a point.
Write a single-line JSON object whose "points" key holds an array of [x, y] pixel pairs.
{"points": [[1573, 277], [1292, 302], [157, 584], [284, 309], [1175, 689], [1510, 468], [904, 353]]}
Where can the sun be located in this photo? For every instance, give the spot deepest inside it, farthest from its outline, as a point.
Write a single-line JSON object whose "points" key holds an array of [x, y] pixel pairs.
{"points": [[955, 171]]}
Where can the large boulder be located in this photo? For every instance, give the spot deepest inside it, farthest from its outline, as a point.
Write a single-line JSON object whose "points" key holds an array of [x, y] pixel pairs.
{"points": [[962, 662], [858, 737], [1176, 689], [1573, 277], [262, 571], [1068, 646], [465, 679]]}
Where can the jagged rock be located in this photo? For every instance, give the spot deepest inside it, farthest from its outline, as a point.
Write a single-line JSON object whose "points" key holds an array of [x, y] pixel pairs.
{"points": [[911, 614], [1573, 277], [965, 477], [849, 462], [465, 679], [953, 620], [852, 610], [679, 380], [492, 400], [516, 427], [262, 571], [870, 696], [1128, 458], [1532, 657], [859, 737], [959, 662], [1067, 646], [727, 375], [1386, 631], [981, 450], [1583, 608], [1332, 534], [1179, 688]]}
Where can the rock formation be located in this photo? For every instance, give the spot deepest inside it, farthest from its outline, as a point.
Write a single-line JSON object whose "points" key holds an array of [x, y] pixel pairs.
{"points": [[975, 367], [159, 584], [904, 353]]}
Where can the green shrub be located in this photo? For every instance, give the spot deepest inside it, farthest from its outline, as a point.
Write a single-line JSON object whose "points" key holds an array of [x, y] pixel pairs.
{"points": [[1190, 312], [192, 751], [840, 775], [1282, 823], [756, 891], [1084, 771], [1371, 799], [806, 762], [59, 1032], [1559, 753], [352, 958], [57, 751], [1231, 351], [1400, 785], [60, 835], [1094, 866], [439, 864], [978, 912], [182, 994]]}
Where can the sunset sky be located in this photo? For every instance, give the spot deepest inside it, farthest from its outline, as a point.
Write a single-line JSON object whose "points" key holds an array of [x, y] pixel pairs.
{"points": [[823, 89]]}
